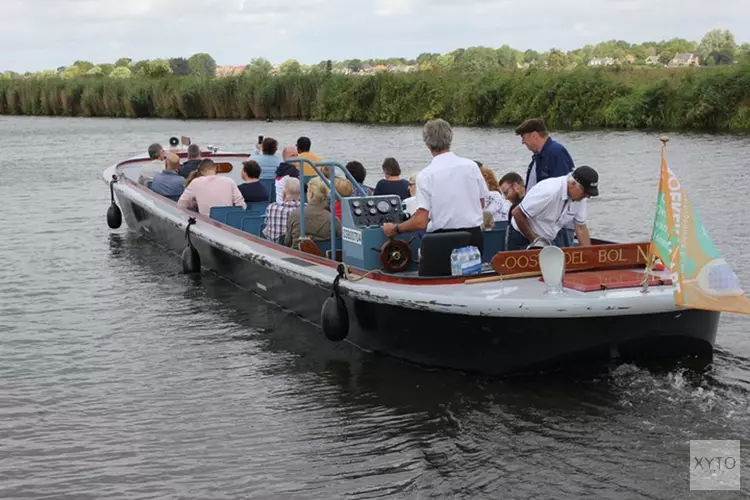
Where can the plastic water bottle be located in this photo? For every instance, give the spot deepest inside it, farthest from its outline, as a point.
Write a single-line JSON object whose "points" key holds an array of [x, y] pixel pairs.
{"points": [[456, 262], [477, 260], [472, 263]]}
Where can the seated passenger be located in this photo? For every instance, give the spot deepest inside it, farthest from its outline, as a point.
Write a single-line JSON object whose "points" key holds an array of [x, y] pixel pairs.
{"points": [[267, 159], [495, 202], [277, 214], [549, 206], [393, 183], [285, 170], [289, 152], [192, 176], [410, 204], [193, 161], [253, 191], [304, 144], [451, 191], [155, 166], [358, 172], [169, 183], [344, 188], [210, 190], [317, 218]]}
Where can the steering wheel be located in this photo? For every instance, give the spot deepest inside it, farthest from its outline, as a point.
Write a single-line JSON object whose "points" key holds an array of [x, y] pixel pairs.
{"points": [[395, 256]]}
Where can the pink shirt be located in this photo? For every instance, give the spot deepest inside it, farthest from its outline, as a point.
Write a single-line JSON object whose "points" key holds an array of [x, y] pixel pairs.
{"points": [[211, 191]]}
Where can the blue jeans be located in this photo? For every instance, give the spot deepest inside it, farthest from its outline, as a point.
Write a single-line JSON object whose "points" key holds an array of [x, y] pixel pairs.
{"points": [[565, 238]]}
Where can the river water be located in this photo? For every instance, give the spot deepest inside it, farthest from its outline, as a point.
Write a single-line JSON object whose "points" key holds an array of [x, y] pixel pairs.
{"points": [[122, 378]]}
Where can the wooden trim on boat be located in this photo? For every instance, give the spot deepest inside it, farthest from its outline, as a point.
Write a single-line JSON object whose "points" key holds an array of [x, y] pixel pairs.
{"points": [[620, 255], [223, 167]]}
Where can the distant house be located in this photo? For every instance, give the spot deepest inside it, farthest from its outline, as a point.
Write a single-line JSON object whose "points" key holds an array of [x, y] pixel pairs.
{"points": [[380, 67], [653, 61], [630, 58], [602, 61], [229, 70], [401, 68], [685, 59]]}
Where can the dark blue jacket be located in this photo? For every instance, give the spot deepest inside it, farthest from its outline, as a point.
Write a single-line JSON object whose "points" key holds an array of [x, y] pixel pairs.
{"points": [[188, 167], [286, 169], [552, 161]]}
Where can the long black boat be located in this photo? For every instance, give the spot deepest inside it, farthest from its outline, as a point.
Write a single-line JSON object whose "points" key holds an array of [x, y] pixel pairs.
{"points": [[375, 292]]}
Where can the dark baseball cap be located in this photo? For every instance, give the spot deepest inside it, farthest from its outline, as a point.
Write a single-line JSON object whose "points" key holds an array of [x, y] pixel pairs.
{"points": [[588, 178]]}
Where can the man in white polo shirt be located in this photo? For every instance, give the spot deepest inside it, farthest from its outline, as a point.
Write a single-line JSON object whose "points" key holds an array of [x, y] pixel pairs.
{"points": [[549, 206], [450, 190]]}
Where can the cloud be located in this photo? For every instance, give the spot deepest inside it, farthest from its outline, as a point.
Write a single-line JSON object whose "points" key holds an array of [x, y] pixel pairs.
{"points": [[389, 8], [40, 34]]}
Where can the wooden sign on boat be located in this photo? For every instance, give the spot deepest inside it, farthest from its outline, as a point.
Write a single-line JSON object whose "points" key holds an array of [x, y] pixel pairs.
{"points": [[223, 167], [576, 258]]}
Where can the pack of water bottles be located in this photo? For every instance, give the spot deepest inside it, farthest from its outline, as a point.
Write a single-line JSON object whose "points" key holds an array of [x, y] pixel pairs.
{"points": [[466, 261]]}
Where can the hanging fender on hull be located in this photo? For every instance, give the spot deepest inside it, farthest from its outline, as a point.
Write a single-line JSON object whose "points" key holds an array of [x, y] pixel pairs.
{"points": [[191, 259], [114, 214], [334, 317]]}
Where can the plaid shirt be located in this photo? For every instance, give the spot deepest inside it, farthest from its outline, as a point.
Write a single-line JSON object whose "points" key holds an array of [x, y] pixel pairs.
{"points": [[277, 215]]}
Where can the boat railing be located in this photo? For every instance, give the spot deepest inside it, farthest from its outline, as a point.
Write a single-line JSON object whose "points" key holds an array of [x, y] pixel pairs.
{"points": [[330, 182]]}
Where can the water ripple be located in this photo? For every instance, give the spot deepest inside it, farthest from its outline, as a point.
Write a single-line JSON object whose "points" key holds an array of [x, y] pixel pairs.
{"points": [[122, 378]]}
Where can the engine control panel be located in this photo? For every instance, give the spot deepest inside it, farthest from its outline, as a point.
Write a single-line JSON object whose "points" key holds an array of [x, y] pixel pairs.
{"points": [[372, 211], [362, 235]]}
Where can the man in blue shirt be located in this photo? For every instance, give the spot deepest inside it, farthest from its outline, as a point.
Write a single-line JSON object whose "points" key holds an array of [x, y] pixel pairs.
{"points": [[193, 161], [252, 190], [169, 183], [549, 159]]}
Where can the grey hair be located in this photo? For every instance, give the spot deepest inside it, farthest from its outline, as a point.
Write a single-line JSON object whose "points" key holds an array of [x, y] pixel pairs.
{"points": [[154, 150], [194, 151], [437, 135], [291, 186]]}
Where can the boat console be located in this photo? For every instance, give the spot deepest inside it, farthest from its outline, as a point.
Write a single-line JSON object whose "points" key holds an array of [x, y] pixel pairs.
{"points": [[363, 238]]}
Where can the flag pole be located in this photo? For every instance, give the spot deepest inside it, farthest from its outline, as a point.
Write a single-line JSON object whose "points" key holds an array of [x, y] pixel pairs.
{"points": [[650, 257]]}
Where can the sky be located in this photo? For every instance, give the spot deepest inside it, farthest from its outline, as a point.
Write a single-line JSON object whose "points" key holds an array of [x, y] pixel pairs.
{"points": [[45, 34]]}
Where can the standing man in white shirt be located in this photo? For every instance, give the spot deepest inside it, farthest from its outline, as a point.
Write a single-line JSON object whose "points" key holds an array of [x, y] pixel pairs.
{"points": [[549, 206], [451, 191]]}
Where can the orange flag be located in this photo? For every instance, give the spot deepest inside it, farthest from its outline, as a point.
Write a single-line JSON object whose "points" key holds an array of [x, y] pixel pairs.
{"points": [[704, 279], [663, 236]]}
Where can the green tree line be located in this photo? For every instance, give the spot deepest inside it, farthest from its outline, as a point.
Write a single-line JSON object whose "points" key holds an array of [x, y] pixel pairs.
{"points": [[718, 47], [681, 98]]}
